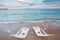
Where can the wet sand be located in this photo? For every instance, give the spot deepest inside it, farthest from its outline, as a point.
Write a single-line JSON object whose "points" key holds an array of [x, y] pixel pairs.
{"points": [[7, 29]]}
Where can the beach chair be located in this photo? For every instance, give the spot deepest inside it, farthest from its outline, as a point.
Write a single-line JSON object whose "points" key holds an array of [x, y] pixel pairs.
{"points": [[22, 33], [40, 32]]}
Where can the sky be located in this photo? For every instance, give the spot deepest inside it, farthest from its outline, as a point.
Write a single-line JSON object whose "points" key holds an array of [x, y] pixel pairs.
{"points": [[31, 3]]}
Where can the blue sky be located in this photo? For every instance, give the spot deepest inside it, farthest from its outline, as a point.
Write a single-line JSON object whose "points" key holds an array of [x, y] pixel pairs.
{"points": [[38, 2], [51, 0], [8, 2], [15, 1]]}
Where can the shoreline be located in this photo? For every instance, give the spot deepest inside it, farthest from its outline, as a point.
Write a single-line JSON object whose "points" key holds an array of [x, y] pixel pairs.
{"points": [[29, 21], [12, 28]]}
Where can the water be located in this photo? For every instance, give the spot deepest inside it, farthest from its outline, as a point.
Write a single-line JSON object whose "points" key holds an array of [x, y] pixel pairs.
{"points": [[29, 15]]}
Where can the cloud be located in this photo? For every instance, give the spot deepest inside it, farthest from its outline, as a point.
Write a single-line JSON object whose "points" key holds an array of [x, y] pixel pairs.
{"points": [[31, 3], [38, 2], [46, 6]]}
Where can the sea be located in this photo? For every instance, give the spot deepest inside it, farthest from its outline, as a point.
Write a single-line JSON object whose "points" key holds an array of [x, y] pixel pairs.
{"points": [[17, 15]]}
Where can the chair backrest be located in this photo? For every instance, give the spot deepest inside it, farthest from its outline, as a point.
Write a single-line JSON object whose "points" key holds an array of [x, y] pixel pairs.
{"points": [[23, 30], [42, 31], [18, 32]]}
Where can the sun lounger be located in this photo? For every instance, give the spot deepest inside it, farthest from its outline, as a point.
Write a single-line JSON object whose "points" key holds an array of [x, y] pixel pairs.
{"points": [[41, 32], [22, 33]]}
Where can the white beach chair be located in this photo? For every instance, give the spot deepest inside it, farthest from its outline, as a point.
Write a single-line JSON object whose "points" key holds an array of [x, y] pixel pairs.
{"points": [[22, 33], [40, 32]]}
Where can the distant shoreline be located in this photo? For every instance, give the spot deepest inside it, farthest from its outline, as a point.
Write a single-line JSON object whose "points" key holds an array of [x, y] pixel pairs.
{"points": [[27, 8], [3, 8]]}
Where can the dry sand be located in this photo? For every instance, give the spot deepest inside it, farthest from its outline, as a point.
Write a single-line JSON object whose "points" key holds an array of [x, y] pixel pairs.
{"points": [[7, 29]]}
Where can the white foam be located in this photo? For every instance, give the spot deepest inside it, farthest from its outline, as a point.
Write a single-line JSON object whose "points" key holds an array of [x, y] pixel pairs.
{"points": [[33, 21], [8, 30], [22, 21], [8, 22]]}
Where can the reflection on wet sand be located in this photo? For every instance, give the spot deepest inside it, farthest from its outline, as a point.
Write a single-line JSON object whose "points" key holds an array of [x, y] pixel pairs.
{"points": [[14, 27]]}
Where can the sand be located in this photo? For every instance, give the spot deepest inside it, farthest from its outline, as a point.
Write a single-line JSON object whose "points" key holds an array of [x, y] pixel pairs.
{"points": [[6, 29]]}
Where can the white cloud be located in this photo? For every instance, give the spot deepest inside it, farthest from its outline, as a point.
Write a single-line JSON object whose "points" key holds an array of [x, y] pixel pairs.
{"points": [[27, 4], [31, 1]]}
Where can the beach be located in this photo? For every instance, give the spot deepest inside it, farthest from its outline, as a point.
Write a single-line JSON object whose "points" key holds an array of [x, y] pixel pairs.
{"points": [[50, 27], [17, 14]]}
